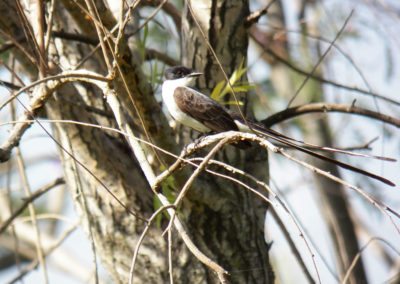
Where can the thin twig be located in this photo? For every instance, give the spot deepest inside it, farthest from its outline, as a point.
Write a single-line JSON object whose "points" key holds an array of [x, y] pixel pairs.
{"points": [[149, 18], [292, 245], [40, 61], [49, 25], [64, 77], [320, 59], [358, 256], [365, 146], [39, 99], [323, 80], [335, 45], [35, 263], [151, 178], [123, 21], [383, 208], [168, 8], [193, 176], [241, 183], [269, 190], [99, 29], [86, 214], [310, 237], [38, 25], [170, 267], [32, 214], [218, 62], [255, 16], [29, 200], [141, 238], [16, 241]]}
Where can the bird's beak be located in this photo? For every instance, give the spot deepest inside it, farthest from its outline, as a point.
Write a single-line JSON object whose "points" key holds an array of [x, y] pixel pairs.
{"points": [[195, 74]]}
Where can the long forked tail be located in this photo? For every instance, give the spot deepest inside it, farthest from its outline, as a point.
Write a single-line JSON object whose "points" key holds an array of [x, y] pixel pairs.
{"points": [[304, 147]]}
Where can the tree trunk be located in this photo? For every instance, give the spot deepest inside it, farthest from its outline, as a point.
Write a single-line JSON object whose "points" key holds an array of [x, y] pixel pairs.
{"points": [[234, 231], [338, 215], [225, 221]]}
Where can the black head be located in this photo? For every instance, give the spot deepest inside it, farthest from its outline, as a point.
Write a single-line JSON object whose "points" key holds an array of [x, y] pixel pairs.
{"points": [[178, 72]]}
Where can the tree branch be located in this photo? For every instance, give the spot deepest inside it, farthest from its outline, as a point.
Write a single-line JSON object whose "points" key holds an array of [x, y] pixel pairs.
{"points": [[43, 91], [297, 69], [29, 200], [324, 108], [151, 178], [255, 16], [169, 9]]}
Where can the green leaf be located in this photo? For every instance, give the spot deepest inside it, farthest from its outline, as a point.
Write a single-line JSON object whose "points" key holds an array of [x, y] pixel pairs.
{"points": [[241, 89], [145, 34], [223, 88], [234, 103], [217, 90], [157, 204], [142, 42]]}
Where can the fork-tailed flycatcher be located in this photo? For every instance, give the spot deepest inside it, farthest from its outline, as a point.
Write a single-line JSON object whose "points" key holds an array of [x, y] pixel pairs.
{"points": [[192, 108], [198, 111]]}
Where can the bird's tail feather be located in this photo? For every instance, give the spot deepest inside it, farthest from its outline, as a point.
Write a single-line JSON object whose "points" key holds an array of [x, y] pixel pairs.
{"points": [[293, 143]]}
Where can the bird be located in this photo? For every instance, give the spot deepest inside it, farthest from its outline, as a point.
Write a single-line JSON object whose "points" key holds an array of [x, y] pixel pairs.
{"points": [[198, 111], [192, 108]]}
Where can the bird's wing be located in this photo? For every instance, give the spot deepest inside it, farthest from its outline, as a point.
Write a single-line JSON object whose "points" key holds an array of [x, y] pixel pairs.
{"points": [[204, 109]]}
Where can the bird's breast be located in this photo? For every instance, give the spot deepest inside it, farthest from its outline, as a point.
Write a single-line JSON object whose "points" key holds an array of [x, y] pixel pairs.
{"points": [[177, 113]]}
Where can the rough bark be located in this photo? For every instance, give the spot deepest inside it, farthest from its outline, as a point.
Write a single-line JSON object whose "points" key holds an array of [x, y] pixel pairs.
{"points": [[226, 222], [106, 155], [232, 233]]}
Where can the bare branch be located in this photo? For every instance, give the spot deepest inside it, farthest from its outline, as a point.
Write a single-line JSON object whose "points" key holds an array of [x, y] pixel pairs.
{"points": [[321, 58], [151, 178], [237, 136], [327, 107], [39, 97], [48, 251], [141, 238], [38, 100], [27, 201], [255, 16], [362, 249], [292, 245], [155, 54], [316, 77], [32, 214], [168, 8], [100, 31], [193, 176], [324, 80]]}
